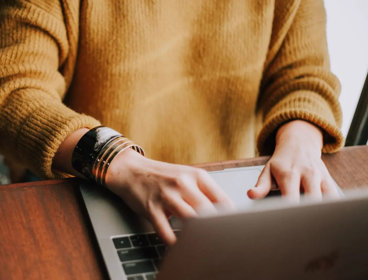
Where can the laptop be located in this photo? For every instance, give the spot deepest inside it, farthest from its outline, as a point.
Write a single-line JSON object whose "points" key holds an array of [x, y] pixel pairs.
{"points": [[267, 239]]}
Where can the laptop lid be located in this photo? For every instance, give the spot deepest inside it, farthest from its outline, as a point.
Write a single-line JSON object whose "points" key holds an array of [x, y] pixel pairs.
{"points": [[313, 240]]}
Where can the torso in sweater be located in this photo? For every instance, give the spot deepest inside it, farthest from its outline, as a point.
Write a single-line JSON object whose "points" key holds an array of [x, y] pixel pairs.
{"points": [[181, 78]]}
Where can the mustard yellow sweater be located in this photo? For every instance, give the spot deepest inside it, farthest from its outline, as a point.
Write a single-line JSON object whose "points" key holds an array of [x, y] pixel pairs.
{"points": [[189, 80]]}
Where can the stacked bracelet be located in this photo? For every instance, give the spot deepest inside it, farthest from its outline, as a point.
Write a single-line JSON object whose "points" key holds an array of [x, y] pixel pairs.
{"points": [[94, 152]]}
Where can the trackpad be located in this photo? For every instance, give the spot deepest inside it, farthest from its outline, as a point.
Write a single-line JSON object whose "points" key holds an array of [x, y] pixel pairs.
{"points": [[237, 181]]}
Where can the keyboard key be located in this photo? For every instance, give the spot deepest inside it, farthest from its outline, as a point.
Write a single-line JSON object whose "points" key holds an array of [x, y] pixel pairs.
{"points": [[151, 276], [154, 239], [161, 250], [139, 240], [138, 267], [137, 254], [136, 277], [122, 242], [157, 263]]}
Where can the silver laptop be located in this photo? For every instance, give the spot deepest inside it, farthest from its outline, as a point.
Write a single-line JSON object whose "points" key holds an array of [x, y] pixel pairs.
{"points": [[267, 239]]}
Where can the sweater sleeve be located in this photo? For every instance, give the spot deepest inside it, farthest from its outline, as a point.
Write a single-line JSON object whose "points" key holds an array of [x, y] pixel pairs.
{"points": [[33, 120], [297, 82]]}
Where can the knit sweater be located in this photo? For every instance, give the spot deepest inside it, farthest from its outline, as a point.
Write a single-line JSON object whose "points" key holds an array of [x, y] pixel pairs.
{"points": [[189, 80]]}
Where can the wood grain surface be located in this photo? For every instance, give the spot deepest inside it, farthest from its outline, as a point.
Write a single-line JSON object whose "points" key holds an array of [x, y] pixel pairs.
{"points": [[45, 233]]}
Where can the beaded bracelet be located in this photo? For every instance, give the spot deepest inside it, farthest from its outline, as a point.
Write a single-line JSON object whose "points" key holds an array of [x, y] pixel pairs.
{"points": [[94, 152]]}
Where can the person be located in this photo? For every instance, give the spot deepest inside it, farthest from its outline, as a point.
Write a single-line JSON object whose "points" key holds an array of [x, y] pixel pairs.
{"points": [[185, 81]]}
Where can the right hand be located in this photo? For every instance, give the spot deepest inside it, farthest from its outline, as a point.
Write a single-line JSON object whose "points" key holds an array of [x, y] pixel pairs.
{"points": [[158, 190]]}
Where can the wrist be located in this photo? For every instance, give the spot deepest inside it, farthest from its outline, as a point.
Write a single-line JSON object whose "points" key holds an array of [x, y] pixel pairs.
{"points": [[95, 151], [124, 165], [300, 132]]}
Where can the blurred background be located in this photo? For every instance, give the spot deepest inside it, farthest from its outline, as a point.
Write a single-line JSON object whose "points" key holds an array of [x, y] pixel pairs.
{"points": [[347, 36], [4, 175]]}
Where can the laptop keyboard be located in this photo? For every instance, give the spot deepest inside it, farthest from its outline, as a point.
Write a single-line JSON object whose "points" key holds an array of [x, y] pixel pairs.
{"points": [[140, 254]]}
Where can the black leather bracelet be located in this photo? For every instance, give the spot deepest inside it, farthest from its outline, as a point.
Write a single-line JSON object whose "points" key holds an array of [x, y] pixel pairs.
{"points": [[89, 146]]}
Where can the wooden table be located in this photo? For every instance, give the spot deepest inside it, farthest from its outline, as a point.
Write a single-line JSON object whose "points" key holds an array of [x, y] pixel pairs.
{"points": [[45, 233]]}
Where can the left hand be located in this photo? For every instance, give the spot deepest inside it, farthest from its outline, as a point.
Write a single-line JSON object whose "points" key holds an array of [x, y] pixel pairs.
{"points": [[296, 164]]}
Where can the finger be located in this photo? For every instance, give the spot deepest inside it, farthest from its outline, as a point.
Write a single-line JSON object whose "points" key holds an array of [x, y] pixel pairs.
{"points": [[178, 207], [311, 185], [213, 191], [289, 184], [263, 185], [196, 199], [191, 193], [330, 188], [162, 226], [199, 201], [328, 185]]}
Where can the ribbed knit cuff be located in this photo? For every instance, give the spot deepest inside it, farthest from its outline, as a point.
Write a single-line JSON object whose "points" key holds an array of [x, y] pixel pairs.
{"points": [[38, 129], [308, 106]]}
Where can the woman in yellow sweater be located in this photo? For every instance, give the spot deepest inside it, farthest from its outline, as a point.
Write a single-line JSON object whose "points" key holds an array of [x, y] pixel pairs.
{"points": [[189, 81]]}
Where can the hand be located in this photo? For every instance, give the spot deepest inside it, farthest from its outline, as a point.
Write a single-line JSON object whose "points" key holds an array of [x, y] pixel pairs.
{"points": [[158, 190], [154, 189], [296, 164]]}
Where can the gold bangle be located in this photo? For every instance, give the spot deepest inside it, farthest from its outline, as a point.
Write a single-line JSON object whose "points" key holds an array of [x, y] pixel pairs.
{"points": [[108, 153], [102, 156]]}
